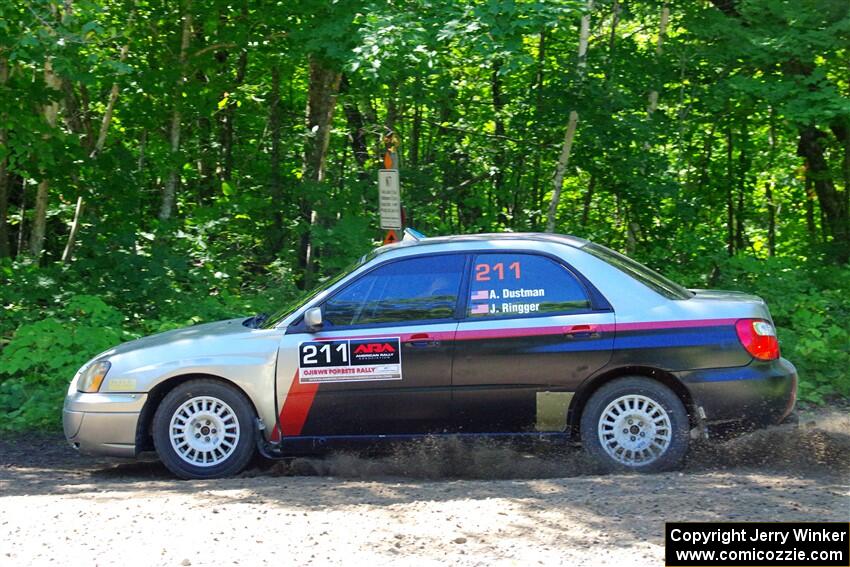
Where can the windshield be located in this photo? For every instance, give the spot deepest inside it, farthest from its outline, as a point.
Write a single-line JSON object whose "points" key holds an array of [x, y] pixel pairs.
{"points": [[638, 271], [290, 308]]}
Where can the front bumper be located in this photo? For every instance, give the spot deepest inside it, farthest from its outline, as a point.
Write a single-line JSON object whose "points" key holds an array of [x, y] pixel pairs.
{"points": [[103, 424], [760, 394]]}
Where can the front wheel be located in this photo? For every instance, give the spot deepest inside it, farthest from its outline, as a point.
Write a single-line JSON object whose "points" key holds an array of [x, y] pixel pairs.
{"points": [[635, 424], [204, 429]]}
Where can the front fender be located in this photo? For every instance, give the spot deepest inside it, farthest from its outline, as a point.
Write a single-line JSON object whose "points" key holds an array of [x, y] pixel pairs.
{"points": [[247, 360]]}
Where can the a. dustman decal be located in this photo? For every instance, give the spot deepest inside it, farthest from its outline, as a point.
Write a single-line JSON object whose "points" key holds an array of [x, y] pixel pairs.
{"points": [[498, 300], [354, 360]]}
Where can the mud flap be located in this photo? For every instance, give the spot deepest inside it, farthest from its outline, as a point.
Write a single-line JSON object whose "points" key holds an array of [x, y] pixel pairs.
{"points": [[552, 411]]}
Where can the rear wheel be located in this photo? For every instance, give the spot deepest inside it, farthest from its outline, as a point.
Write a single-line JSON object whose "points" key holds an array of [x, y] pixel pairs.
{"points": [[635, 424], [204, 429]]}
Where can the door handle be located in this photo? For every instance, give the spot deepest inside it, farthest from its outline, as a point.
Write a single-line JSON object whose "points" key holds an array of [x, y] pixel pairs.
{"points": [[582, 332], [422, 340]]}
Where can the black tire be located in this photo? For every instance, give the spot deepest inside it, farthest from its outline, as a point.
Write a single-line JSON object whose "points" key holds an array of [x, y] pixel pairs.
{"points": [[233, 458], [654, 458]]}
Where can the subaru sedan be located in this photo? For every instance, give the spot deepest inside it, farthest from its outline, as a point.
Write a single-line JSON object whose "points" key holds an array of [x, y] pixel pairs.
{"points": [[487, 335]]}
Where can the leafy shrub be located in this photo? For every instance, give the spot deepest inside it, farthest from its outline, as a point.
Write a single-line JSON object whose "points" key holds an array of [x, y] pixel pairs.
{"points": [[811, 308], [57, 317], [810, 305], [42, 357]]}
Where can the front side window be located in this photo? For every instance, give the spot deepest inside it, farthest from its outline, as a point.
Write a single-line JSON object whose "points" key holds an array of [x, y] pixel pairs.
{"points": [[415, 289], [520, 285]]}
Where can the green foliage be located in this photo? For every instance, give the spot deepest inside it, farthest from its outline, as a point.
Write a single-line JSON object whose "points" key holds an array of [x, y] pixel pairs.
{"points": [[42, 356], [51, 327], [811, 308], [710, 187]]}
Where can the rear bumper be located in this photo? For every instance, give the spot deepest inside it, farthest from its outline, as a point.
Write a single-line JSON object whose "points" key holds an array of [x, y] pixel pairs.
{"points": [[102, 424], [757, 395]]}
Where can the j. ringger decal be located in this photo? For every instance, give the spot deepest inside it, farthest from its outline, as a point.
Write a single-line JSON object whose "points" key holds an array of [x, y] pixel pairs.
{"points": [[355, 360]]}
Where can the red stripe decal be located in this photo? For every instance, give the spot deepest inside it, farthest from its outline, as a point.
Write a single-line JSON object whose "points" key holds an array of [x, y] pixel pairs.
{"points": [[404, 337], [506, 333], [658, 325], [475, 334], [295, 408]]}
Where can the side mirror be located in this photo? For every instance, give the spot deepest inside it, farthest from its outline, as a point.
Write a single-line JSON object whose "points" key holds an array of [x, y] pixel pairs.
{"points": [[313, 318]]}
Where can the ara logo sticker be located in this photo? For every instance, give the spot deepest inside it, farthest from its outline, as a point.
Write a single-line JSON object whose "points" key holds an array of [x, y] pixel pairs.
{"points": [[371, 348], [343, 360], [372, 351]]}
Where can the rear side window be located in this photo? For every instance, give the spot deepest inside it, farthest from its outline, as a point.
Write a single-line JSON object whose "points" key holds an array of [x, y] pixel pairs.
{"points": [[518, 285], [638, 271], [416, 289]]}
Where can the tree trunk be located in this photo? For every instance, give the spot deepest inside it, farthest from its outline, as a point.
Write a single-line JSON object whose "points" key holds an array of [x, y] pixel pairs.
{"points": [[321, 101], [708, 150], [567, 146], [768, 188], [21, 225], [5, 250], [275, 186], [169, 191], [538, 121], [75, 115], [659, 48], [105, 122], [841, 129], [415, 135], [612, 39], [75, 227], [563, 161], [227, 120], [499, 161], [50, 112], [140, 163], [588, 199], [730, 202], [771, 219], [810, 204], [356, 129], [322, 93], [207, 160], [831, 203], [743, 170]]}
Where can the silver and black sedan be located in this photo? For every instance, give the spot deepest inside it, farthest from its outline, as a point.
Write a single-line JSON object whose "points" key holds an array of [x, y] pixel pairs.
{"points": [[490, 335]]}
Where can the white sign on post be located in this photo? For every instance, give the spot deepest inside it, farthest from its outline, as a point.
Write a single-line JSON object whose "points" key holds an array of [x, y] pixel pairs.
{"points": [[389, 198]]}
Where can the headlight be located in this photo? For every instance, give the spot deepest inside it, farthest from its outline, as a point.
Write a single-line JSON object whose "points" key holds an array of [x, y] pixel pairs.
{"points": [[92, 377]]}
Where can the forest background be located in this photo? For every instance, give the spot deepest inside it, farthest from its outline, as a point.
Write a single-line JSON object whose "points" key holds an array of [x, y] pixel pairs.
{"points": [[164, 163]]}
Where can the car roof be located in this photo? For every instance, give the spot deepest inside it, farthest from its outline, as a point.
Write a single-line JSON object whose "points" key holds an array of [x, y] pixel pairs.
{"points": [[566, 239]]}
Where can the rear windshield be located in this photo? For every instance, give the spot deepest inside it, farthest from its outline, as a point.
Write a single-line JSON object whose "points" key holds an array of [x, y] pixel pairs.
{"points": [[638, 271]]}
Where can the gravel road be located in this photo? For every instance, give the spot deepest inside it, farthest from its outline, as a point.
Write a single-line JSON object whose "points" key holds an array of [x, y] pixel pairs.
{"points": [[430, 503]]}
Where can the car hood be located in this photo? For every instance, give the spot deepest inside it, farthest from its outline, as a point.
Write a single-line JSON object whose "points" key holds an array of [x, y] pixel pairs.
{"points": [[219, 329]]}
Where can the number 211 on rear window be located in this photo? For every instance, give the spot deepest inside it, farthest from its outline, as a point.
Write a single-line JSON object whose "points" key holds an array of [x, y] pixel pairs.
{"points": [[485, 272]]}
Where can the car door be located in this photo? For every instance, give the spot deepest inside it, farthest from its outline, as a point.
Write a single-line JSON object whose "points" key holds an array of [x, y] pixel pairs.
{"points": [[531, 334], [381, 363]]}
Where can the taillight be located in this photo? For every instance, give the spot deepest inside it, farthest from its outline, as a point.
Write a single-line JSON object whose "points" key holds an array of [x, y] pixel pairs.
{"points": [[759, 338]]}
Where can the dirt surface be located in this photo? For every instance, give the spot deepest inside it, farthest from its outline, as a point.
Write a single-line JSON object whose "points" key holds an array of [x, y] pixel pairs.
{"points": [[427, 503]]}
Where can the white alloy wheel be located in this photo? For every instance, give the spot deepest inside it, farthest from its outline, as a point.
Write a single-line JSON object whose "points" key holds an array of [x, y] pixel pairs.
{"points": [[635, 430], [204, 431]]}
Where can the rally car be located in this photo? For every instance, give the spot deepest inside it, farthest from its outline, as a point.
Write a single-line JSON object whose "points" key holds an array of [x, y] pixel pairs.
{"points": [[496, 334]]}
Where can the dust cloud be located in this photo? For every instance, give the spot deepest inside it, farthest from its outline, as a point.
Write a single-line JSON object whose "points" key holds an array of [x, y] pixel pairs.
{"points": [[819, 446]]}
